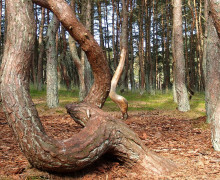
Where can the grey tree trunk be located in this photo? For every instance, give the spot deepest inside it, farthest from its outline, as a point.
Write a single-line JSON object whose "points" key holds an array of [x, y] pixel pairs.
{"points": [[52, 75], [174, 67], [180, 84]]}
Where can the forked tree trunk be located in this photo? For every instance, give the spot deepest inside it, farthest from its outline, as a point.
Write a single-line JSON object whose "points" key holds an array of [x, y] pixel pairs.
{"points": [[102, 134], [182, 96]]}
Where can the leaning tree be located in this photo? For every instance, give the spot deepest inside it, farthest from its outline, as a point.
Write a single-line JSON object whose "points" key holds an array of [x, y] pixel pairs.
{"points": [[101, 133]]}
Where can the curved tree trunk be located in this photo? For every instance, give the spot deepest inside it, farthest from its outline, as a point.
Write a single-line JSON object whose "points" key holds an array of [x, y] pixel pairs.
{"points": [[120, 100], [102, 77], [101, 134]]}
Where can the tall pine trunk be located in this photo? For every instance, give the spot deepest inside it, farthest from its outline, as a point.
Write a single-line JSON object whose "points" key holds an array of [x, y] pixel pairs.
{"points": [[52, 76], [180, 85], [41, 52]]}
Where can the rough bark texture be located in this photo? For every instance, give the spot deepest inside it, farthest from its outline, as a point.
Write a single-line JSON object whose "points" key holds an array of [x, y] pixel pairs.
{"points": [[102, 78], [213, 83], [120, 100], [215, 13], [52, 77], [182, 96], [100, 135]]}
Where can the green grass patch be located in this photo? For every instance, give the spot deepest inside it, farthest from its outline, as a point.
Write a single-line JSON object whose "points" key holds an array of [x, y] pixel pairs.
{"points": [[136, 101], [159, 101]]}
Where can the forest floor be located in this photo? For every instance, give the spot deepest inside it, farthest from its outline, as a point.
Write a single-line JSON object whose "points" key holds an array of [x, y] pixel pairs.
{"points": [[184, 138]]}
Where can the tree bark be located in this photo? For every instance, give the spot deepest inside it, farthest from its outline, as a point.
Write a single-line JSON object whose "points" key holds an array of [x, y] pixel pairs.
{"points": [[120, 100], [212, 71], [52, 76], [167, 51], [213, 83], [1, 46], [77, 62], [41, 52], [205, 39], [102, 77], [102, 134], [182, 96], [100, 25], [86, 8], [192, 74], [215, 13], [131, 49], [174, 65], [63, 60], [140, 47]]}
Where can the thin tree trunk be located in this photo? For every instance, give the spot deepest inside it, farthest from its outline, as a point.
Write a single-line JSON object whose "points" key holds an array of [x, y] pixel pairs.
{"points": [[62, 61], [186, 49], [167, 51], [192, 80], [120, 100], [174, 65], [88, 71], [52, 76], [182, 96], [113, 36], [131, 50], [41, 52], [107, 35], [100, 25], [205, 39], [199, 49], [149, 63], [163, 42], [140, 48]]}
